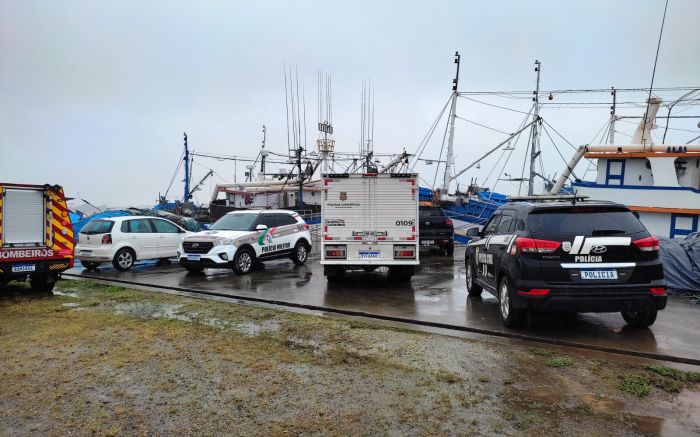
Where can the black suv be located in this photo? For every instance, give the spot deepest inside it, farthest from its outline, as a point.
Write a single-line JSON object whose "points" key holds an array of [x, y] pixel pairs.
{"points": [[558, 256], [436, 231]]}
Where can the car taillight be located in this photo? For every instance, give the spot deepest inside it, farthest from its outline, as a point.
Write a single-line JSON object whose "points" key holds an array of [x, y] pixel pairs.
{"points": [[532, 245], [107, 239], [306, 227], [658, 291], [448, 222], [648, 244]]}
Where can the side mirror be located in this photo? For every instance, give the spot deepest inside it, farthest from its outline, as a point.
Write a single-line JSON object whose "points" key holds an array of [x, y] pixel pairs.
{"points": [[473, 232], [260, 227]]}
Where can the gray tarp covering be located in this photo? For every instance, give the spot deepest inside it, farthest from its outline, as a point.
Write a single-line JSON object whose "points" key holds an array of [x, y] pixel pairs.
{"points": [[681, 258]]}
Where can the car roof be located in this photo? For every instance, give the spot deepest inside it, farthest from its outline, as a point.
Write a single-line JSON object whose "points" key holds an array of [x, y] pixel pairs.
{"points": [[260, 211], [530, 206], [130, 217]]}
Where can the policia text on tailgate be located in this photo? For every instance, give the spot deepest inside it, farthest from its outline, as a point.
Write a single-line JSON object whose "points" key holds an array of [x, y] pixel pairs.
{"points": [[556, 256]]}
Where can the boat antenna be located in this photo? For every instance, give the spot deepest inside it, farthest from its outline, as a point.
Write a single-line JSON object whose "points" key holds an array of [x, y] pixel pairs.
{"points": [[653, 73], [450, 142], [534, 137]]}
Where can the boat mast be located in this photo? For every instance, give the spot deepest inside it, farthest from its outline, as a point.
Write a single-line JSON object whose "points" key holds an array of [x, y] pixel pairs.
{"points": [[186, 197], [613, 117], [450, 142], [534, 149]]}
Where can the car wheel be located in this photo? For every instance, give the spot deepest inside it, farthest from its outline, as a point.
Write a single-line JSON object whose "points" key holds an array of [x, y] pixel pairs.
{"points": [[43, 283], [333, 273], [90, 265], [300, 254], [243, 261], [473, 288], [640, 319], [511, 317], [124, 259], [449, 251]]}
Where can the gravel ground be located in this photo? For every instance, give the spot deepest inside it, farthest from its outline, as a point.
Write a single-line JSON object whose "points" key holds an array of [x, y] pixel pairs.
{"points": [[106, 360]]}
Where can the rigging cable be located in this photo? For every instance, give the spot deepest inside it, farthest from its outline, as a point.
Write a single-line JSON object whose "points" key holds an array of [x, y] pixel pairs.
{"points": [[483, 125], [653, 73], [177, 169]]}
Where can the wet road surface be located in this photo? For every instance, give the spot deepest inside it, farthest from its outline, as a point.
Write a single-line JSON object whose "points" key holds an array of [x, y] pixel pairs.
{"points": [[437, 293]]}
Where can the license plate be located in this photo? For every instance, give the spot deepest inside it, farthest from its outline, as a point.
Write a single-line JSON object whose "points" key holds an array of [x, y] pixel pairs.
{"points": [[598, 274], [368, 254], [86, 252], [427, 242], [194, 257], [23, 268]]}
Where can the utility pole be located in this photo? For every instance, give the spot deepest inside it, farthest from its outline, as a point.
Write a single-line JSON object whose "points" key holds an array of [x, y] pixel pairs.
{"points": [[263, 154], [613, 117], [186, 197], [450, 141], [534, 149]]}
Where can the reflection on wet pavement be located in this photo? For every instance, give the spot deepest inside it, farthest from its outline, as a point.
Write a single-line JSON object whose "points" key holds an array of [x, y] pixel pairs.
{"points": [[437, 293]]}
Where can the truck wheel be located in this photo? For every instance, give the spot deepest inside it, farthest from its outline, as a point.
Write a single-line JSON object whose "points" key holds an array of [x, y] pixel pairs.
{"points": [[300, 254], [640, 319], [333, 273], [90, 265], [400, 273], [43, 283], [243, 261], [511, 317], [124, 259], [473, 288]]}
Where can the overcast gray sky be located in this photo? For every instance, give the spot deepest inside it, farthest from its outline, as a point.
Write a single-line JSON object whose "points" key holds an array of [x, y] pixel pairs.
{"points": [[95, 95]]}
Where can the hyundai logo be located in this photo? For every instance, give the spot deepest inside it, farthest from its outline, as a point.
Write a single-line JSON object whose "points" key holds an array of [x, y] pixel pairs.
{"points": [[599, 249], [197, 245]]}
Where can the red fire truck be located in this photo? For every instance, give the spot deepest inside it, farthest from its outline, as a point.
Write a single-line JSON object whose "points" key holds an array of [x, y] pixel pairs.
{"points": [[36, 235]]}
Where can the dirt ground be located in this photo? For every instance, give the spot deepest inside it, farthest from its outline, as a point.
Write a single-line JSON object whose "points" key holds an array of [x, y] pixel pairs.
{"points": [[106, 360]]}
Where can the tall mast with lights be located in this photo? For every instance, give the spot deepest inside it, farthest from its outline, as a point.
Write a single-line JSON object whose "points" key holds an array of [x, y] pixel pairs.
{"points": [[450, 141]]}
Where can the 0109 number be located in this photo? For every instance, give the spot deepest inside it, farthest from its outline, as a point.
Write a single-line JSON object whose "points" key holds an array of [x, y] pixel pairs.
{"points": [[404, 222]]}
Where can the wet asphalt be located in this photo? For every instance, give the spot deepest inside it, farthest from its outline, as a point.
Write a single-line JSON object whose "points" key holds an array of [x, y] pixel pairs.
{"points": [[437, 293]]}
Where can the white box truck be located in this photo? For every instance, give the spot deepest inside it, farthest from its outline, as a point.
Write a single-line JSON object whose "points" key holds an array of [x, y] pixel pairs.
{"points": [[369, 220]]}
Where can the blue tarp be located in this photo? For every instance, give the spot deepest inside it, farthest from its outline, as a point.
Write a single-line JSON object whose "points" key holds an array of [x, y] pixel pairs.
{"points": [[681, 258]]}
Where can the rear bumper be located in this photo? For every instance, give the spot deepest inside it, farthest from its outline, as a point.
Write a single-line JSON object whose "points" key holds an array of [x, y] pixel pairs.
{"points": [[438, 243], [601, 298], [41, 267]]}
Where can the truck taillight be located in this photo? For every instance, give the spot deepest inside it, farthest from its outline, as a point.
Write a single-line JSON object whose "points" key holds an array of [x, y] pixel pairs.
{"points": [[336, 252], [648, 244], [533, 245], [405, 252], [107, 239]]}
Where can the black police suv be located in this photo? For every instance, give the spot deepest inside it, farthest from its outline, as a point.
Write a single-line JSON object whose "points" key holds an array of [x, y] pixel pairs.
{"points": [[589, 256], [436, 230]]}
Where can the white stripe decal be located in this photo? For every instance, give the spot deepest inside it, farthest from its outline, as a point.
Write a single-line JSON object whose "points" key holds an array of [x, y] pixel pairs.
{"points": [[578, 241], [604, 241], [596, 265]]}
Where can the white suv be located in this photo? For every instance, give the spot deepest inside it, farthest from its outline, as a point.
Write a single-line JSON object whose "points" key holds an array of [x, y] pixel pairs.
{"points": [[240, 239], [123, 240]]}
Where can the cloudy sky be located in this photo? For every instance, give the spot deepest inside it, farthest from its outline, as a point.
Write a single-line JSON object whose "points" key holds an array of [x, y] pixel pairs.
{"points": [[95, 95]]}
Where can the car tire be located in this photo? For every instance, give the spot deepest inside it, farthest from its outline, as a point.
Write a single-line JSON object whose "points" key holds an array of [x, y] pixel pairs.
{"points": [[194, 269], [449, 251], [640, 319], [243, 261], [300, 254], [333, 273], [400, 273], [511, 317], [124, 259], [473, 289], [90, 265], [43, 283]]}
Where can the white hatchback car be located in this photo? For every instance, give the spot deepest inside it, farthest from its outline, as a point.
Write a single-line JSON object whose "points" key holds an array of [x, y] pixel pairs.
{"points": [[123, 240], [242, 239]]}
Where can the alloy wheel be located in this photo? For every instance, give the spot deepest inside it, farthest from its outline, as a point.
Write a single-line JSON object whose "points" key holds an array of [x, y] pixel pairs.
{"points": [[504, 300], [125, 259], [245, 262]]}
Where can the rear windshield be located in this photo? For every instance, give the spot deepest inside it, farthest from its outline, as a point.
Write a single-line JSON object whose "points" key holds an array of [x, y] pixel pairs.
{"points": [[585, 221], [235, 222], [97, 227], [431, 212]]}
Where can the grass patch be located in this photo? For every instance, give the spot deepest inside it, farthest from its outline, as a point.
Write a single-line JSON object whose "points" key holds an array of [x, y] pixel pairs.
{"points": [[676, 374], [638, 385], [560, 362], [541, 352], [449, 377]]}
